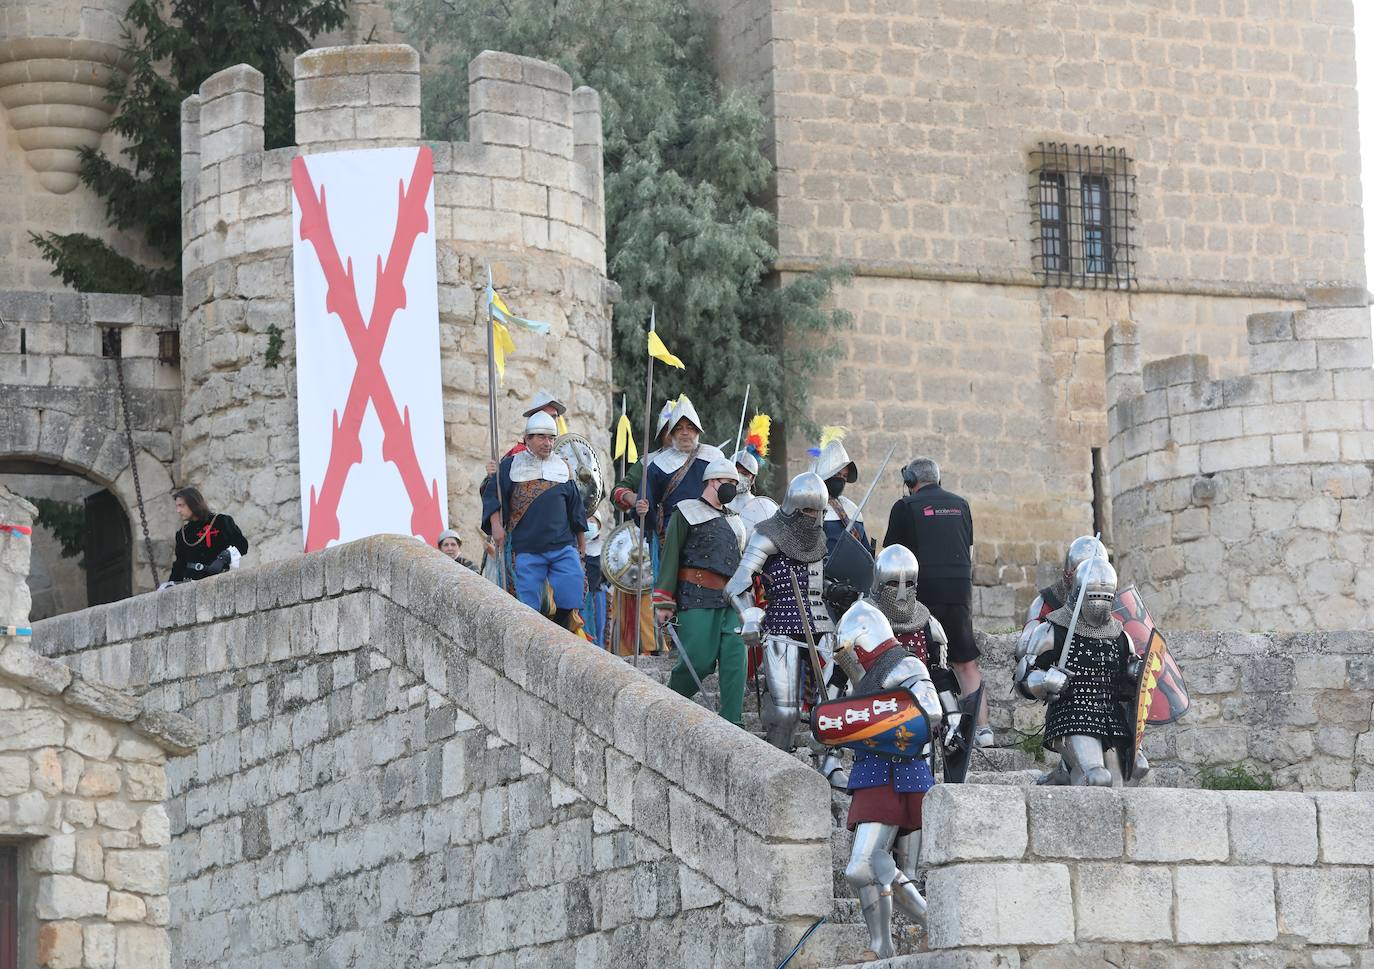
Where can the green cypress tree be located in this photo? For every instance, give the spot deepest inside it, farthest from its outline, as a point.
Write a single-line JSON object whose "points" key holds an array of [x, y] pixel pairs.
{"points": [[169, 55], [684, 168]]}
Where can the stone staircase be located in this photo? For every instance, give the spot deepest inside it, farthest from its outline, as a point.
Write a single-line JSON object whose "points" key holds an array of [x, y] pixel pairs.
{"points": [[840, 941]]}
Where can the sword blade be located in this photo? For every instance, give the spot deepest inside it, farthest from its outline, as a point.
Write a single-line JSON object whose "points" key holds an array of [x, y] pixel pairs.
{"points": [[682, 652], [1063, 664], [874, 483], [744, 409], [804, 610]]}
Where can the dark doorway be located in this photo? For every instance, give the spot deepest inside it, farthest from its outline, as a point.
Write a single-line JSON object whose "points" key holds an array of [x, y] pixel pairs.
{"points": [[109, 547], [9, 907]]}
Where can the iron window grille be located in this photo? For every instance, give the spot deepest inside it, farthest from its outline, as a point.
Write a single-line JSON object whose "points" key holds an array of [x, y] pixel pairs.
{"points": [[169, 347], [1083, 208]]}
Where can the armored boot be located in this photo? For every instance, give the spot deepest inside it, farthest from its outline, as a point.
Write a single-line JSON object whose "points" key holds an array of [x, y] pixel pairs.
{"points": [[877, 912]]}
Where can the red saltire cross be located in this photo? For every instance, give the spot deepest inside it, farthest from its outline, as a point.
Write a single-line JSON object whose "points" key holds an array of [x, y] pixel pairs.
{"points": [[367, 341]]}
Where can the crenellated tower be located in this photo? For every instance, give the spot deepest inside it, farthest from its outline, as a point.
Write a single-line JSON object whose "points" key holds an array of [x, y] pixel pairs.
{"points": [[1245, 503], [523, 195]]}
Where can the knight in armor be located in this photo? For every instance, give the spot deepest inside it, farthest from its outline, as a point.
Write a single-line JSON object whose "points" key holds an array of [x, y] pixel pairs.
{"points": [[1088, 722], [539, 510], [1054, 596], [887, 789], [701, 551], [919, 633], [790, 543], [841, 514]]}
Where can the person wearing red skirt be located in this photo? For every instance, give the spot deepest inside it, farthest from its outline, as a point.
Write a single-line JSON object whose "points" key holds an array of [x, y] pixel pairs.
{"points": [[886, 789]]}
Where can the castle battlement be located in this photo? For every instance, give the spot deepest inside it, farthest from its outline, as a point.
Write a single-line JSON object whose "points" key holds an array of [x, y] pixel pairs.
{"points": [[1251, 493], [523, 195]]}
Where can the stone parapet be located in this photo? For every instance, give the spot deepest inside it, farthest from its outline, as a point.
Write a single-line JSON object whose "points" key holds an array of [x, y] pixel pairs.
{"points": [[522, 196], [1250, 875], [1245, 502], [383, 721]]}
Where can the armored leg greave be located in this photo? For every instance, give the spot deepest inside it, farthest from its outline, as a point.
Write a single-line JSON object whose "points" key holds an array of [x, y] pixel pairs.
{"points": [[1087, 762], [871, 871], [782, 677], [907, 853]]}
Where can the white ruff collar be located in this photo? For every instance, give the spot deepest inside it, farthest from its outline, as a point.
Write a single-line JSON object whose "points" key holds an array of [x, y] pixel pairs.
{"points": [[670, 459], [526, 467]]}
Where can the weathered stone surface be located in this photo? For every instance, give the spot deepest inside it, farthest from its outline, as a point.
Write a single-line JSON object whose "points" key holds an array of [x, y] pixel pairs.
{"points": [[1123, 902], [101, 701], [36, 672], [1219, 904], [1075, 822], [999, 903], [1343, 819], [1172, 825], [69, 897], [967, 823], [1273, 828], [1325, 906]]}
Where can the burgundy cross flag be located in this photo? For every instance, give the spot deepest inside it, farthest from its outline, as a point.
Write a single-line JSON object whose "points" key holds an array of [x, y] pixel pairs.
{"points": [[369, 398]]}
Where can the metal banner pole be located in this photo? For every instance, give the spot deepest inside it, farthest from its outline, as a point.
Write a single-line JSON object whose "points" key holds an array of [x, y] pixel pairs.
{"points": [[491, 422], [744, 409], [643, 484]]}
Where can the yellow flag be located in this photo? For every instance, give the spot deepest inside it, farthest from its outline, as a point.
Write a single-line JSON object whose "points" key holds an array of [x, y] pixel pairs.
{"points": [[501, 344], [561, 424], [625, 440], [659, 352]]}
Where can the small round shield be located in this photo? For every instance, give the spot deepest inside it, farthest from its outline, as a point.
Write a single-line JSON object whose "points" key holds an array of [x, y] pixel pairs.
{"points": [[588, 468], [625, 560]]}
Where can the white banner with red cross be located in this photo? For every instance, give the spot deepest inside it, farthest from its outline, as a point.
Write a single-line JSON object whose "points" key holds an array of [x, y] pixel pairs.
{"points": [[369, 396]]}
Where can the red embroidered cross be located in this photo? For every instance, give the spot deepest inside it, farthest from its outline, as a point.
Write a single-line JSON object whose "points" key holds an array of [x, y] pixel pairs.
{"points": [[367, 341], [207, 533]]}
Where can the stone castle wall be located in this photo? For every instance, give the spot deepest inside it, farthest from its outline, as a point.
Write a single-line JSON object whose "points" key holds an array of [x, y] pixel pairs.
{"points": [[69, 415], [902, 139], [1074, 877], [406, 767], [82, 782], [524, 195], [1296, 709], [1246, 502]]}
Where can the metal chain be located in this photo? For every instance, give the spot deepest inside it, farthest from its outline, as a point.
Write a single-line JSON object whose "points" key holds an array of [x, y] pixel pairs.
{"points": [[133, 465]]}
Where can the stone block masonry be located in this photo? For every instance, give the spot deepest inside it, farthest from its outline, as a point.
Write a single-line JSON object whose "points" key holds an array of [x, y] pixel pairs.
{"points": [[62, 403], [82, 785], [1076, 877], [406, 767], [1245, 503], [523, 196]]}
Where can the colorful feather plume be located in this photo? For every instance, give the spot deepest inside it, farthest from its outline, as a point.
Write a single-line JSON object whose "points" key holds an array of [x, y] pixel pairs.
{"points": [[830, 433], [756, 441]]}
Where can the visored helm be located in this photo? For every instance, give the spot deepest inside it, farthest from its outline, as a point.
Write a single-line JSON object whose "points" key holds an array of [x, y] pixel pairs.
{"points": [[805, 493], [1082, 549], [864, 629], [1095, 581], [894, 576]]}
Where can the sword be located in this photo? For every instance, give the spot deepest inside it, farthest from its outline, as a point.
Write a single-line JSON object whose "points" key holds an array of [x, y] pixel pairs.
{"points": [[744, 408], [681, 651], [874, 483], [1063, 664], [804, 611]]}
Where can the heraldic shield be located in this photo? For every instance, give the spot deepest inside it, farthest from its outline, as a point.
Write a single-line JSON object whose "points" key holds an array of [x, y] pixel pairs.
{"points": [[1169, 699], [1146, 690], [886, 722]]}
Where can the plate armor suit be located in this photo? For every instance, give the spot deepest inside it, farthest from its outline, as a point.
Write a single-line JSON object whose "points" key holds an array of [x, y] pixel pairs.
{"points": [[791, 541], [1054, 596], [894, 593], [887, 789], [1090, 689]]}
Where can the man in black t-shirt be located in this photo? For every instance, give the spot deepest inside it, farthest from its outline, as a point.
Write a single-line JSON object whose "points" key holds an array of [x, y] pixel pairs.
{"points": [[937, 525]]}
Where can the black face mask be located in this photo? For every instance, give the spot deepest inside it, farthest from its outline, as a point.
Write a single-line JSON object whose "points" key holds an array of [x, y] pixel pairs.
{"points": [[726, 492], [835, 486]]}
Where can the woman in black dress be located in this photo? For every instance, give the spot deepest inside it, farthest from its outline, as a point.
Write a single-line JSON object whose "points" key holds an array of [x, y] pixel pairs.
{"points": [[205, 538]]}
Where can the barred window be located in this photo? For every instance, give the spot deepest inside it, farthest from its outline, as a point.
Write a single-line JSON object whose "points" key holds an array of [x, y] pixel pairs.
{"points": [[1083, 214]]}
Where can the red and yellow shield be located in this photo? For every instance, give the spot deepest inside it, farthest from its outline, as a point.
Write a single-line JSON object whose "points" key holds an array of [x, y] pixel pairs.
{"points": [[886, 722]]}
